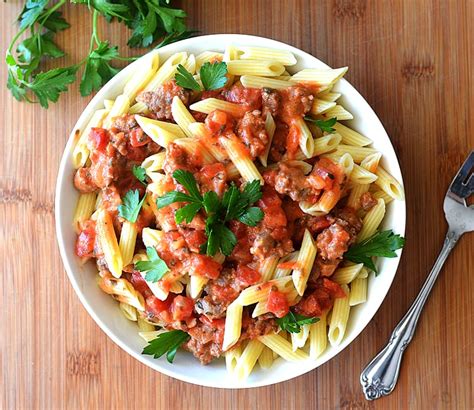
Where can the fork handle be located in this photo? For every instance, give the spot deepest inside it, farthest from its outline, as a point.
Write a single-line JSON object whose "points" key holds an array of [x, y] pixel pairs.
{"points": [[380, 376]]}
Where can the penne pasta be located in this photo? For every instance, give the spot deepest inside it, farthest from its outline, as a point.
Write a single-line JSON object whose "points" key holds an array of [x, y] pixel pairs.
{"points": [[270, 129], [161, 132], [304, 263], [282, 347], [233, 323], [128, 238], [358, 291], [318, 337], [266, 54], [389, 184], [108, 243], [371, 221], [252, 81], [248, 359], [84, 208], [211, 104], [319, 76], [241, 159], [347, 274], [181, 115], [339, 318], [255, 68]]}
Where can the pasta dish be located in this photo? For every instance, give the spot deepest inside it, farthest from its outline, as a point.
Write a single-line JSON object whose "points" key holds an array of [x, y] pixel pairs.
{"points": [[229, 209]]}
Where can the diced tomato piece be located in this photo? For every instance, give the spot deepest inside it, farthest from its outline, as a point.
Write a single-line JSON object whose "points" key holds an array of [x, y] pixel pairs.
{"points": [[157, 306], [194, 238], [216, 323], [203, 265], [140, 284], [138, 138], [216, 121], [86, 239], [182, 308], [277, 303], [247, 276], [274, 216], [333, 288], [99, 138]]}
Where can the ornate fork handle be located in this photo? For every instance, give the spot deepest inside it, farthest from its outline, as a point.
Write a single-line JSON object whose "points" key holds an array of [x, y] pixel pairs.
{"points": [[380, 376]]}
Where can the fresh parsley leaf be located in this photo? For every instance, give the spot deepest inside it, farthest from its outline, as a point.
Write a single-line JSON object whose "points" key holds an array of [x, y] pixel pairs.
{"points": [[186, 179], [168, 343], [155, 267], [211, 202], [17, 91], [108, 9], [251, 216], [139, 173], [292, 322], [48, 85], [185, 79], [33, 48], [213, 76], [324, 125], [56, 22], [172, 197], [226, 237], [383, 243], [187, 212], [32, 11], [131, 205], [98, 70], [252, 191]]}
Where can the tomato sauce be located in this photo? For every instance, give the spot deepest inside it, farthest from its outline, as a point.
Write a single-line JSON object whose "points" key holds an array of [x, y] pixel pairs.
{"points": [[277, 303], [86, 240]]}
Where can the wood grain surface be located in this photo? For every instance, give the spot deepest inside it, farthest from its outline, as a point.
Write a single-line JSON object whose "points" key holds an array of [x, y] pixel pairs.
{"points": [[413, 62]]}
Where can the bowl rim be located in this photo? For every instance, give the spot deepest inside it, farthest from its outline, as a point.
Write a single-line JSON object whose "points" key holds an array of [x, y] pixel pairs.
{"points": [[70, 266]]}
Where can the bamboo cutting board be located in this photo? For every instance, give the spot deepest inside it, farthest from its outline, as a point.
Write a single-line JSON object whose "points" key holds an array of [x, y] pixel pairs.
{"points": [[413, 62]]}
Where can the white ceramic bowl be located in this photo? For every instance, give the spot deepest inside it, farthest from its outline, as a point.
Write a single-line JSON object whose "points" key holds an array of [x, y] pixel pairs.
{"points": [[105, 310]]}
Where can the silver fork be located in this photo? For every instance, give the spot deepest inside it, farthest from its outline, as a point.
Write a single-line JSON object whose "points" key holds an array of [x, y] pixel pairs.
{"points": [[380, 376]]}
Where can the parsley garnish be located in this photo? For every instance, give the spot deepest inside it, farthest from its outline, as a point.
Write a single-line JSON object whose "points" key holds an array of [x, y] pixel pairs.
{"points": [[149, 20], [383, 243], [166, 343], [131, 205], [324, 125], [292, 322], [185, 79], [139, 173], [213, 76], [235, 205], [155, 267]]}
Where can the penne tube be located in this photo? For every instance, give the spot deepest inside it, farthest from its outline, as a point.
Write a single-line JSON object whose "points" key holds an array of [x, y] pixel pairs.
{"points": [[255, 68], [211, 104], [282, 347], [321, 106], [160, 132], [84, 208], [267, 54], [304, 263], [339, 318], [371, 221], [351, 137], [128, 238], [270, 128], [241, 159], [120, 107], [318, 337], [246, 362], [181, 115], [320, 76], [252, 81], [389, 184], [358, 291], [233, 324], [108, 243], [347, 274]]}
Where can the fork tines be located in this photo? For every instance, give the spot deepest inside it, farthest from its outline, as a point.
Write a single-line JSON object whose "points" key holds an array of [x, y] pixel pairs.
{"points": [[463, 183]]}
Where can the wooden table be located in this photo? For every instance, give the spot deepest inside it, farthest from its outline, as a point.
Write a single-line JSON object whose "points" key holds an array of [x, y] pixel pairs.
{"points": [[412, 60]]}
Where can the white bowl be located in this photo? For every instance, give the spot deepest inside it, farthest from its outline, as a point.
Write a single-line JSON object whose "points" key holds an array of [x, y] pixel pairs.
{"points": [[104, 309]]}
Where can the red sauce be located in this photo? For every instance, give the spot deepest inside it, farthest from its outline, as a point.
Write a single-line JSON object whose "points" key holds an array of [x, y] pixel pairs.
{"points": [[219, 121], [293, 141], [295, 265], [136, 279], [251, 97], [270, 203], [316, 302], [138, 138], [99, 139], [86, 240], [247, 276], [203, 265], [182, 308], [277, 303], [159, 308]]}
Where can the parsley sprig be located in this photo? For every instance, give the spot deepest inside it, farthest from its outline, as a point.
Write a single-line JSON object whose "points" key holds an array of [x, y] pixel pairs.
{"points": [[168, 343], [155, 267], [149, 21], [235, 205], [383, 243], [292, 322], [213, 76], [139, 173], [131, 205], [324, 125]]}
